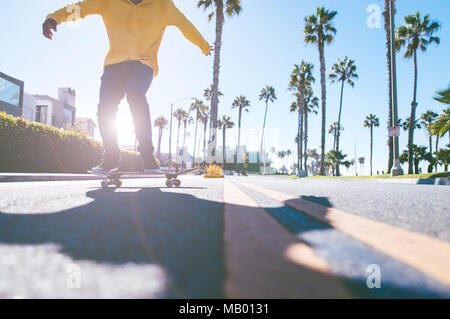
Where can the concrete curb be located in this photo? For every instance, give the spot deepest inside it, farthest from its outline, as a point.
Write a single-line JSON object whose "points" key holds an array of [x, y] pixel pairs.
{"points": [[445, 181], [24, 177]]}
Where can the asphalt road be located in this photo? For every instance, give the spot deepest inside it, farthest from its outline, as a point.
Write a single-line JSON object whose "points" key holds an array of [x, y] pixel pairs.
{"points": [[75, 240]]}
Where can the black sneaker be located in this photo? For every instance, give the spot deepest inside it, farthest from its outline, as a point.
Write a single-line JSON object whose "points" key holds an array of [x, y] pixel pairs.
{"points": [[106, 166]]}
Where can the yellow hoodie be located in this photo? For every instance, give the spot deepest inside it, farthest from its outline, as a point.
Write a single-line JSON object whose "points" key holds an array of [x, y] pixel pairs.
{"points": [[135, 31]]}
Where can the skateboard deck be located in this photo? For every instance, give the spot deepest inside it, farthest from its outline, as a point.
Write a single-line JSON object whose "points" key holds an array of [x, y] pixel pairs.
{"points": [[115, 177]]}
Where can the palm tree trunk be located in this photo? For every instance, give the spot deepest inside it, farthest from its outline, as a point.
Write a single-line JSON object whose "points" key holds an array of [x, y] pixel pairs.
{"points": [[412, 120], [436, 148], [301, 110], [298, 144], [431, 144], [195, 141], [371, 148], [301, 136], [264, 128], [205, 128], [184, 145], [324, 103], [239, 139], [306, 141], [159, 143], [334, 139], [387, 29], [223, 149], [178, 138], [338, 134], [212, 143]]}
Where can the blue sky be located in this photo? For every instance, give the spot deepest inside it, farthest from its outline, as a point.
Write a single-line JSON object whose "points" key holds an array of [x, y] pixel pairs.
{"points": [[260, 48]]}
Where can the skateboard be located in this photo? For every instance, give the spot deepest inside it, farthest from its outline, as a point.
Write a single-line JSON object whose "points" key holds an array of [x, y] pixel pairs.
{"points": [[115, 177]]}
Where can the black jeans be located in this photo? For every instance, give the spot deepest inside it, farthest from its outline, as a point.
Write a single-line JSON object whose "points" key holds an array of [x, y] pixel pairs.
{"points": [[133, 79]]}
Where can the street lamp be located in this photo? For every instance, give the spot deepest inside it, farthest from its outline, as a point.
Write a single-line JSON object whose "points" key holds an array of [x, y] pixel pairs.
{"points": [[170, 137], [396, 168]]}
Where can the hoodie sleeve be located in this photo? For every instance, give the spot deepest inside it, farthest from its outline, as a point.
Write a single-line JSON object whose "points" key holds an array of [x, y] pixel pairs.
{"points": [[76, 11], [190, 32]]}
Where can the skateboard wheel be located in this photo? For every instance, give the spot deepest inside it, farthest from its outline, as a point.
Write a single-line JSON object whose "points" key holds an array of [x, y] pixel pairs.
{"points": [[169, 183], [104, 184], [177, 183]]}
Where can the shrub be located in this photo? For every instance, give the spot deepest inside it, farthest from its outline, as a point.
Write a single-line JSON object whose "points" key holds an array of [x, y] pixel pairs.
{"points": [[34, 147], [213, 171]]}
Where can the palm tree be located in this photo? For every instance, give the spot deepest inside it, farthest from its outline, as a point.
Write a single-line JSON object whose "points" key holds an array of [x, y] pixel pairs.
{"points": [[443, 157], [407, 124], [442, 125], [301, 77], [161, 123], [427, 119], [443, 96], [333, 130], [268, 95], [296, 105], [343, 71], [179, 114], [352, 162], [187, 119], [311, 103], [207, 93], [242, 104], [204, 119], [288, 153], [316, 157], [219, 9], [416, 34], [226, 124], [319, 30], [371, 122], [361, 161], [219, 127], [419, 154], [198, 107], [336, 158], [387, 29], [281, 155]]}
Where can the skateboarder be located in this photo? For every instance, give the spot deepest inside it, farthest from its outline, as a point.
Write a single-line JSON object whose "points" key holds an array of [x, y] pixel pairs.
{"points": [[135, 29]]}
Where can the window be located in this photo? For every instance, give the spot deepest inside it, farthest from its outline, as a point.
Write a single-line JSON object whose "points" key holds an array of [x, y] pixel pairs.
{"points": [[9, 92], [68, 116], [41, 113]]}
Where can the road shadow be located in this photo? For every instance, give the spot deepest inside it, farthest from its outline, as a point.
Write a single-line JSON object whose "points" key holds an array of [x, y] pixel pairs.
{"points": [[178, 231]]}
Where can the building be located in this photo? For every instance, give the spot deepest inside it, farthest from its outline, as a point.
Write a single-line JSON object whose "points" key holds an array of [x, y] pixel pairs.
{"points": [[44, 109], [59, 112], [11, 95], [87, 125], [29, 107]]}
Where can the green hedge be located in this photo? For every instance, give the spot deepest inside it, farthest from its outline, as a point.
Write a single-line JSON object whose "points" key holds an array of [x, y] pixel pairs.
{"points": [[33, 147]]}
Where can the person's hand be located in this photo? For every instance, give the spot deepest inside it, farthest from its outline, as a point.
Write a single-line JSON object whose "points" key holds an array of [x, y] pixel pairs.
{"points": [[208, 53], [47, 28]]}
